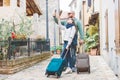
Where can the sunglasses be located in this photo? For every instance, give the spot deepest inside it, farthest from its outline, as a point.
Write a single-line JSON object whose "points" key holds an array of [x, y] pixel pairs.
{"points": [[69, 13]]}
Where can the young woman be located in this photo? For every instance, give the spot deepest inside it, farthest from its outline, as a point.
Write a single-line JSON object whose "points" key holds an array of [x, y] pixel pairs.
{"points": [[69, 34]]}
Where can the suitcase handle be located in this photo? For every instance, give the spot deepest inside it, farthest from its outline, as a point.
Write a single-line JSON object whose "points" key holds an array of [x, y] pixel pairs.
{"points": [[79, 48], [65, 53]]}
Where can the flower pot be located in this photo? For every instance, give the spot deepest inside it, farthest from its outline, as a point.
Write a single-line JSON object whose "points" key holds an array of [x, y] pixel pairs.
{"points": [[19, 42], [93, 52]]}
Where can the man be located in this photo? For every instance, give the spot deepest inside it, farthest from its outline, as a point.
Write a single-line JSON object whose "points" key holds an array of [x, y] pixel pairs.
{"points": [[71, 14]]}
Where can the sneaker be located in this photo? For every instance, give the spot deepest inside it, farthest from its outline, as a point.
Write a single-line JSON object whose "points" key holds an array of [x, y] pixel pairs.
{"points": [[64, 69], [68, 71], [74, 69]]}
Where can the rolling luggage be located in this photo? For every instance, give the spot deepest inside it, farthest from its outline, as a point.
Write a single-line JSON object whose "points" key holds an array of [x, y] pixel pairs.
{"points": [[82, 63], [56, 66]]}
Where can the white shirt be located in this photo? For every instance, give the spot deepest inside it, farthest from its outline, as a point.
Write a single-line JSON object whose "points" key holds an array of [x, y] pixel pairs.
{"points": [[68, 34]]}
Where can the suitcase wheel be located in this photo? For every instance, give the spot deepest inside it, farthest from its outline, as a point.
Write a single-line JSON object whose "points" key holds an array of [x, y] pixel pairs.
{"points": [[57, 75], [48, 75], [45, 73], [77, 71], [89, 70]]}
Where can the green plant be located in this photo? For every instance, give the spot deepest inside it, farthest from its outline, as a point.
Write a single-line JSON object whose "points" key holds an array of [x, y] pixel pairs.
{"points": [[24, 26], [91, 42], [92, 33], [6, 27], [57, 48], [52, 48], [22, 29]]}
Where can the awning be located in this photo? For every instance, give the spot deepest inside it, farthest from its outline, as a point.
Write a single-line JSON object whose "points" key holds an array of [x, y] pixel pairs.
{"points": [[32, 7]]}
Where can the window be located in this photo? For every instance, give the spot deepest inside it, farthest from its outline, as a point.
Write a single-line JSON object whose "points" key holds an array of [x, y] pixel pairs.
{"points": [[6, 2], [107, 36], [18, 3], [83, 12], [1, 2], [113, 0], [75, 5], [89, 3]]}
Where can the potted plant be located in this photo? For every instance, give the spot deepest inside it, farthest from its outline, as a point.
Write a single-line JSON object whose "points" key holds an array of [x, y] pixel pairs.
{"points": [[92, 34], [21, 30], [92, 43], [56, 49], [92, 39]]}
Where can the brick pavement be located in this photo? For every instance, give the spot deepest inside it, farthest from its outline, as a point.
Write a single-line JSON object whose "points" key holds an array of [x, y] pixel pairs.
{"points": [[99, 71]]}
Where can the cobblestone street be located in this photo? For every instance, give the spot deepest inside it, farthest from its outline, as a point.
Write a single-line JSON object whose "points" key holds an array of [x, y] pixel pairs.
{"points": [[99, 71]]}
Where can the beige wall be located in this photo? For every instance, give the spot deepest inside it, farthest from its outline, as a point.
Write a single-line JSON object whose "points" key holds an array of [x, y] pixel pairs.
{"points": [[9, 11], [52, 5], [110, 56], [85, 14]]}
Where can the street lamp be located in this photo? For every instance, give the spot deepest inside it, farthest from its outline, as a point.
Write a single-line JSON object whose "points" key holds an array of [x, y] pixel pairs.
{"points": [[60, 40], [54, 38], [47, 29], [47, 32]]}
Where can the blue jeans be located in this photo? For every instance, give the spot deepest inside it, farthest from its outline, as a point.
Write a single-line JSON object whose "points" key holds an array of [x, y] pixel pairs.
{"points": [[73, 55], [68, 57]]}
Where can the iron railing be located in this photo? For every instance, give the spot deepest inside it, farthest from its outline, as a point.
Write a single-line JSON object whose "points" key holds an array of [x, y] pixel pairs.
{"points": [[12, 49]]}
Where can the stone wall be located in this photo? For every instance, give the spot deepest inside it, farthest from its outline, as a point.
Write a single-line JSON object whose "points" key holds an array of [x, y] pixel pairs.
{"points": [[12, 66]]}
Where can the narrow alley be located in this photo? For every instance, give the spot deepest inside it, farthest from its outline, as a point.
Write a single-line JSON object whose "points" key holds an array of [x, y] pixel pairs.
{"points": [[99, 71], [30, 32]]}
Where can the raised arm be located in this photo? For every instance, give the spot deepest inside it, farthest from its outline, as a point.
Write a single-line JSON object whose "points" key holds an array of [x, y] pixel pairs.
{"points": [[63, 22], [57, 17]]}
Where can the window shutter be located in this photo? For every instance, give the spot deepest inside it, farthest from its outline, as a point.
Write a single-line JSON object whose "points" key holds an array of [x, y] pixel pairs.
{"points": [[107, 36], [117, 25], [1, 2], [6, 2]]}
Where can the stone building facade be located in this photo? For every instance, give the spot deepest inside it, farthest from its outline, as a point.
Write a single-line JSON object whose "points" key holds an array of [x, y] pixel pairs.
{"points": [[53, 29]]}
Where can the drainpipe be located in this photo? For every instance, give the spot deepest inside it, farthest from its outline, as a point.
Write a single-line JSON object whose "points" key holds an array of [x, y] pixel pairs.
{"points": [[100, 26], [59, 28], [54, 38], [93, 6], [47, 29]]}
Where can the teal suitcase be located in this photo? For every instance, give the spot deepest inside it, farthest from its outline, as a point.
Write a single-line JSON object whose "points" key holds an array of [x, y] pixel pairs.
{"points": [[56, 66]]}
